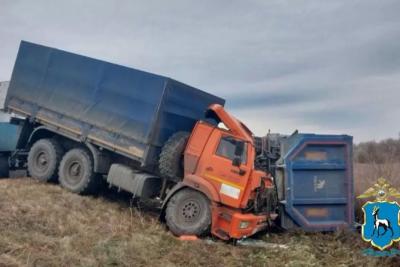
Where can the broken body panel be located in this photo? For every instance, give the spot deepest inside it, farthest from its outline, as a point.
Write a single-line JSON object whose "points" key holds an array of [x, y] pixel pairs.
{"points": [[210, 169]]}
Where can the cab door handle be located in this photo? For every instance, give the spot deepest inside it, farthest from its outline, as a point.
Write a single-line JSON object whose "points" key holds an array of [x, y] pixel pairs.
{"points": [[209, 169], [239, 171]]}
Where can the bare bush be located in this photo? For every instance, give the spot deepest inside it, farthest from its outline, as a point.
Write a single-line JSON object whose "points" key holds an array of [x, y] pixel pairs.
{"points": [[371, 161], [372, 152], [366, 175]]}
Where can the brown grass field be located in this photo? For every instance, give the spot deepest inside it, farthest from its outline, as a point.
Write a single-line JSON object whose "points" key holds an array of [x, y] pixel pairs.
{"points": [[43, 225], [365, 175]]}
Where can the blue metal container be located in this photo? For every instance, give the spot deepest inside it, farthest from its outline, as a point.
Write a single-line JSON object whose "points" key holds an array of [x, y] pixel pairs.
{"points": [[122, 109], [316, 182], [9, 134]]}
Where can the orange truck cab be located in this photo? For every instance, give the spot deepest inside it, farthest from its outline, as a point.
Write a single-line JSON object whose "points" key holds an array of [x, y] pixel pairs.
{"points": [[219, 163]]}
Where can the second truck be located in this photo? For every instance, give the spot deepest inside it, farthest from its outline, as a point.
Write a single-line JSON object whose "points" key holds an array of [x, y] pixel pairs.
{"points": [[87, 122]]}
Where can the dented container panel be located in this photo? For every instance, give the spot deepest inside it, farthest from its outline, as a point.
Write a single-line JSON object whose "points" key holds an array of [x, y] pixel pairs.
{"points": [[317, 181]]}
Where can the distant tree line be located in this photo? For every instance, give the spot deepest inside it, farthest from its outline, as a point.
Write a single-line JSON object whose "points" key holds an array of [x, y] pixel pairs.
{"points": [[385, 151]]}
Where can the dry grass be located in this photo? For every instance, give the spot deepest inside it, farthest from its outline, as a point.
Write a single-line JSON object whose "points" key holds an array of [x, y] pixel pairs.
{"points": [[43, 225], [365, 175]]}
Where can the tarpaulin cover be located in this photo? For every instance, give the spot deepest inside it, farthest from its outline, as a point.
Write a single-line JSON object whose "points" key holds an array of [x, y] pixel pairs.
{"points": [[130, 111]]}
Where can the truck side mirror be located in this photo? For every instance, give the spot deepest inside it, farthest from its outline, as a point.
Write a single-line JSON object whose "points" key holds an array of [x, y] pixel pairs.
{"points": [[236, 162]]}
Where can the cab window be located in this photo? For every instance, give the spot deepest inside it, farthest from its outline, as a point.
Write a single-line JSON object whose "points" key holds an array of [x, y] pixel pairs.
{"points": [[228, 146]]}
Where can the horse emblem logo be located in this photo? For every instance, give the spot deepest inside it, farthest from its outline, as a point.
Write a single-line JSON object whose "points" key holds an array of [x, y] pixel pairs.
{"points": [[382, 216]]}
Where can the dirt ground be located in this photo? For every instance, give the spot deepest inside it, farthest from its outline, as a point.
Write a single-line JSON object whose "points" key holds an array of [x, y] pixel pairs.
{"points": [[43, 225]]}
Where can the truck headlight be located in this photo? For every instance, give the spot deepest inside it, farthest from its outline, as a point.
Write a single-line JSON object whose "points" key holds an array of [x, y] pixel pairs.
{"points": [[243, 224]]}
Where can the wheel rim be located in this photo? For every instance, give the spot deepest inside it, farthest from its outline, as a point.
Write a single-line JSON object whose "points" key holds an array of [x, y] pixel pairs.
{"points": [[42, 161], [74, 172], [190, 211]]}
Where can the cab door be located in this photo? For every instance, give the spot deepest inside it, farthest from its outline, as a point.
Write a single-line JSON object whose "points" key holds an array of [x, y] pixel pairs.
{"points": [[225, 164]]}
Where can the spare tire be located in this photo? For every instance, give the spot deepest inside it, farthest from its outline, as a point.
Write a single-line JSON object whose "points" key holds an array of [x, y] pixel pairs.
{"points": [[171, 157]]}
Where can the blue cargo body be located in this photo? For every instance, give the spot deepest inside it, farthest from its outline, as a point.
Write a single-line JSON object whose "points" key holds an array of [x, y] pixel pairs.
{"points": [[121, 109], [9, 134], [317, 182]]}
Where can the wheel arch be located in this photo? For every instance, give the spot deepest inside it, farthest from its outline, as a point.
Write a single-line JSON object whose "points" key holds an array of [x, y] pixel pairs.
{"points": [[38, 133], [192, 182]]}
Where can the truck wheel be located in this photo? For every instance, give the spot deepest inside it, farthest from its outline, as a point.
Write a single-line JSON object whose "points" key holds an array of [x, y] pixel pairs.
{"points": [[44, 158], [4, 167], [171, 156], [188, 213], [76, 172]]}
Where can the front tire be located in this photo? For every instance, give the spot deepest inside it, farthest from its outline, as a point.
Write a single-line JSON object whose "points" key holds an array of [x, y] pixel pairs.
{"points": [[188, 213], [76, 172], [44, 158]]}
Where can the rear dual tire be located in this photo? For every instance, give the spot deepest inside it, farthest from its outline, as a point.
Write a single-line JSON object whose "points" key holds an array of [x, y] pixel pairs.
{"points": [[44, 158], [74, 169], [76, 172]]}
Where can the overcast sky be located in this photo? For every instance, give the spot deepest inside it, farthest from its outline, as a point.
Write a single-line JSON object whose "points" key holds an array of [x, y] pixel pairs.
{"points": [[317, 66]]}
